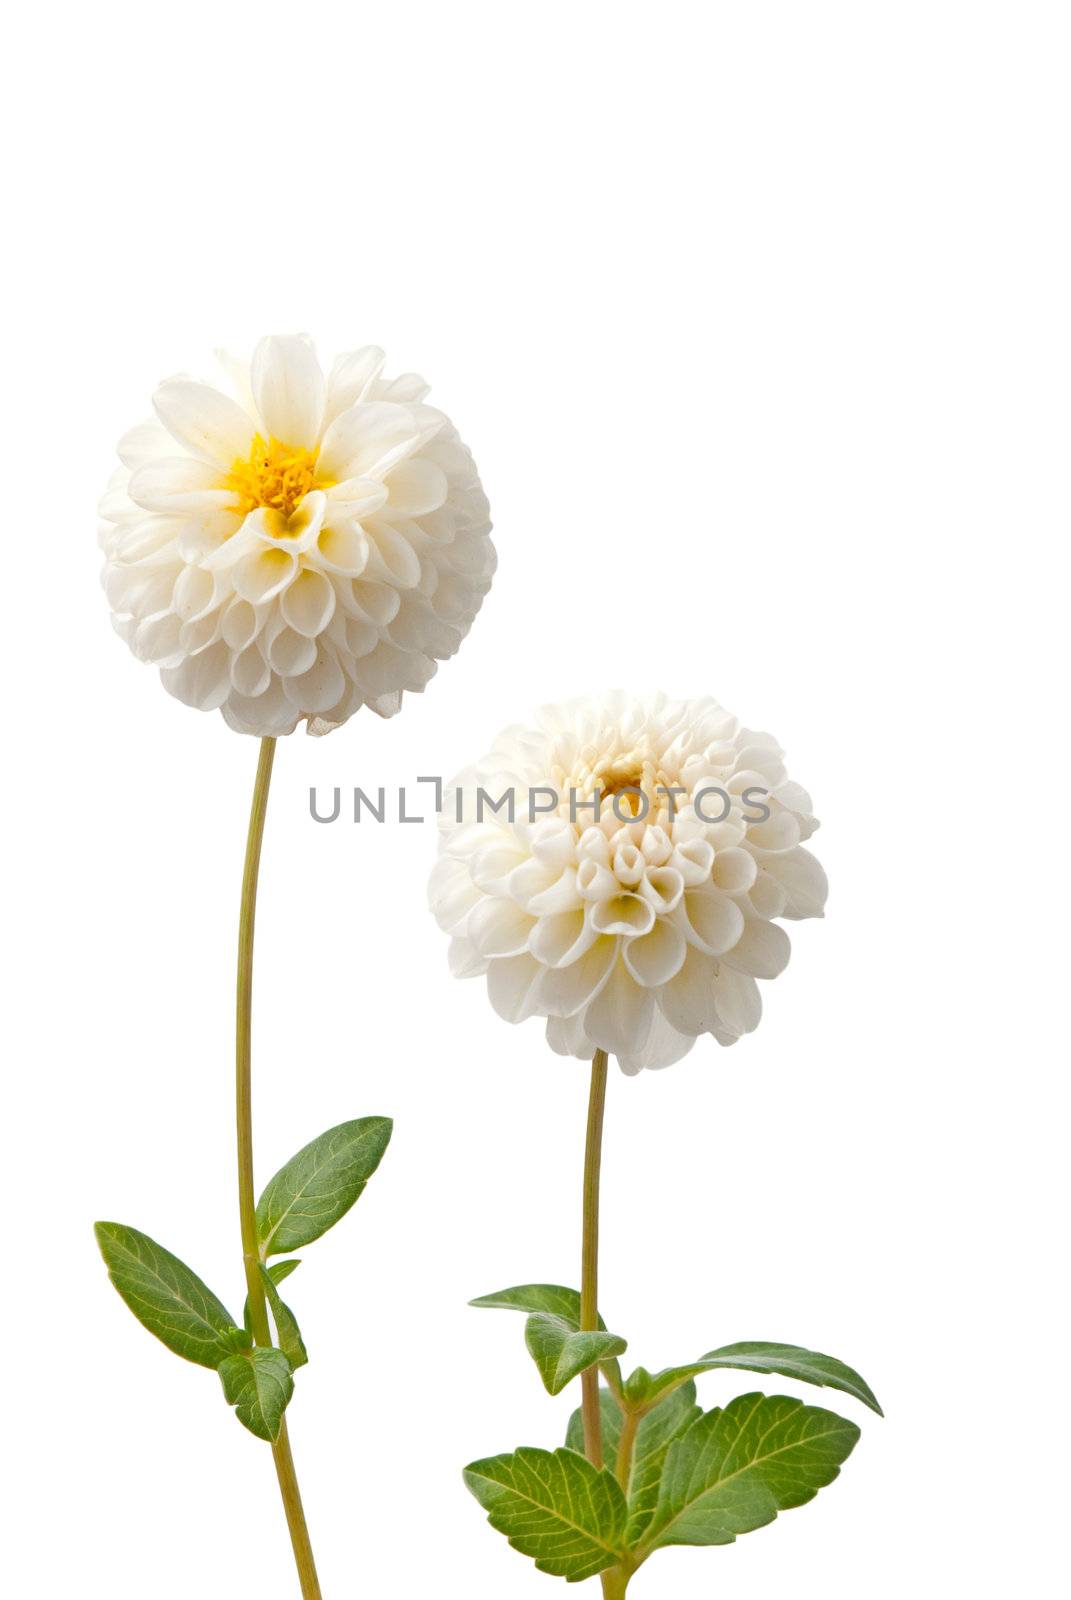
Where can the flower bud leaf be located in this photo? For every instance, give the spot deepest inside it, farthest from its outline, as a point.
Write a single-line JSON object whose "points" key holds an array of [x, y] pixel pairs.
{"points": [[562, 1353], [258, 1383], [167, 1297], [286, 1328], [654, 1435], [555, 1507], [320, 1184], [733, 1469]]}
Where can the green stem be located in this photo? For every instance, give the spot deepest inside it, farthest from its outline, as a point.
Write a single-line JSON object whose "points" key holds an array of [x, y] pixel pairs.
{"points": [[284, 1461], [615, 1583], [589, 1265], [626, 1445]]}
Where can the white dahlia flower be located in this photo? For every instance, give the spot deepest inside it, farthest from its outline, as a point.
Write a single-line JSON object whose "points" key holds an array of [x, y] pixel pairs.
{"points": [[640, 930], [303, 548]]}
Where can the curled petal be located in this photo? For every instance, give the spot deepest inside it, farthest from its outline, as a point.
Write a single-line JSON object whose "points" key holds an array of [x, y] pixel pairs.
{"points": [[627, 914], [734, 871], [657, 956], [308, 604], [264, 573], [559, 939]]}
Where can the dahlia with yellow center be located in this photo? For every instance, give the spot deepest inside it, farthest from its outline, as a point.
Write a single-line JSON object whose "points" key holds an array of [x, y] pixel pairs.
{"points": [[299, 548], [631, 890]]}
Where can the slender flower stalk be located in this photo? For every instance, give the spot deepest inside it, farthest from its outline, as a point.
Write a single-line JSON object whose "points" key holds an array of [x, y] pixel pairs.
{"points": [[589, 1266], [258, 1309]]}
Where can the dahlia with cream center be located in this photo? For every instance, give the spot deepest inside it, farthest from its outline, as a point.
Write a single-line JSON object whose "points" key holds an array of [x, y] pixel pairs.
{"points": [[304, 548], [638, 929]]}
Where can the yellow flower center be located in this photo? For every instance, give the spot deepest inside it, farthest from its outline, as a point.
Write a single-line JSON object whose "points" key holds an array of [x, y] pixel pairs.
{"points": [[276, 475]]}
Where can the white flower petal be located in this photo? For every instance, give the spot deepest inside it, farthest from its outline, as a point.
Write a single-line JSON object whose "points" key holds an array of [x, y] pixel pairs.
{"points": [[627, 914], [309, 603], [352, 378], [264, 573], [416, 486], [738, 1002], [209, 425], [561, 938], [367, 440], [657, 956], [688, 998], [802, 876], [178, 483], [619, 1018], [451, 893], [289, 390], [499, 928], [734, 871], [292, 654], [202, 681], [711, 920], [513, 986], [566, 990], [762, 950], [319, 688]]}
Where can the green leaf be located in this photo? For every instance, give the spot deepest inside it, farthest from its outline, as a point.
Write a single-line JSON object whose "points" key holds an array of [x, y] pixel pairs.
{"points": [[555, 1301], [320, 1184], [286, 1328], [278, 1270], [733, 1470], [554, 1507], [550, 1297], [166, 1297], [792, 1361], [562, 1353], [258, 1383], [655, 1433]]}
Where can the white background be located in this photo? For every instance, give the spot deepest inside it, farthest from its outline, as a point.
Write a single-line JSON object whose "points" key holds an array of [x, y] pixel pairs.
{"points": [[757, 319]]}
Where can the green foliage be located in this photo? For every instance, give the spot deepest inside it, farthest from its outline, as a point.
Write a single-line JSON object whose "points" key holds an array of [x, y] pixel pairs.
{"points": [[552, 1333], [561, 1354], [792, 1361], [681, 1476], [167, 1297], [555, 1507], [654, 1435], [277, 1270], [733, 1470], [320, 1184], [549, 1297], [289, 1334], [258, 1383]]}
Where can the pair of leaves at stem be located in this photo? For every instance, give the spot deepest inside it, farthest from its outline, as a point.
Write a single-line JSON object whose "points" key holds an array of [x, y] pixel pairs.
{"points": [[561, 1352], [305, 1198], [690, 1477], [698, 1478], [552, 1333]]}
